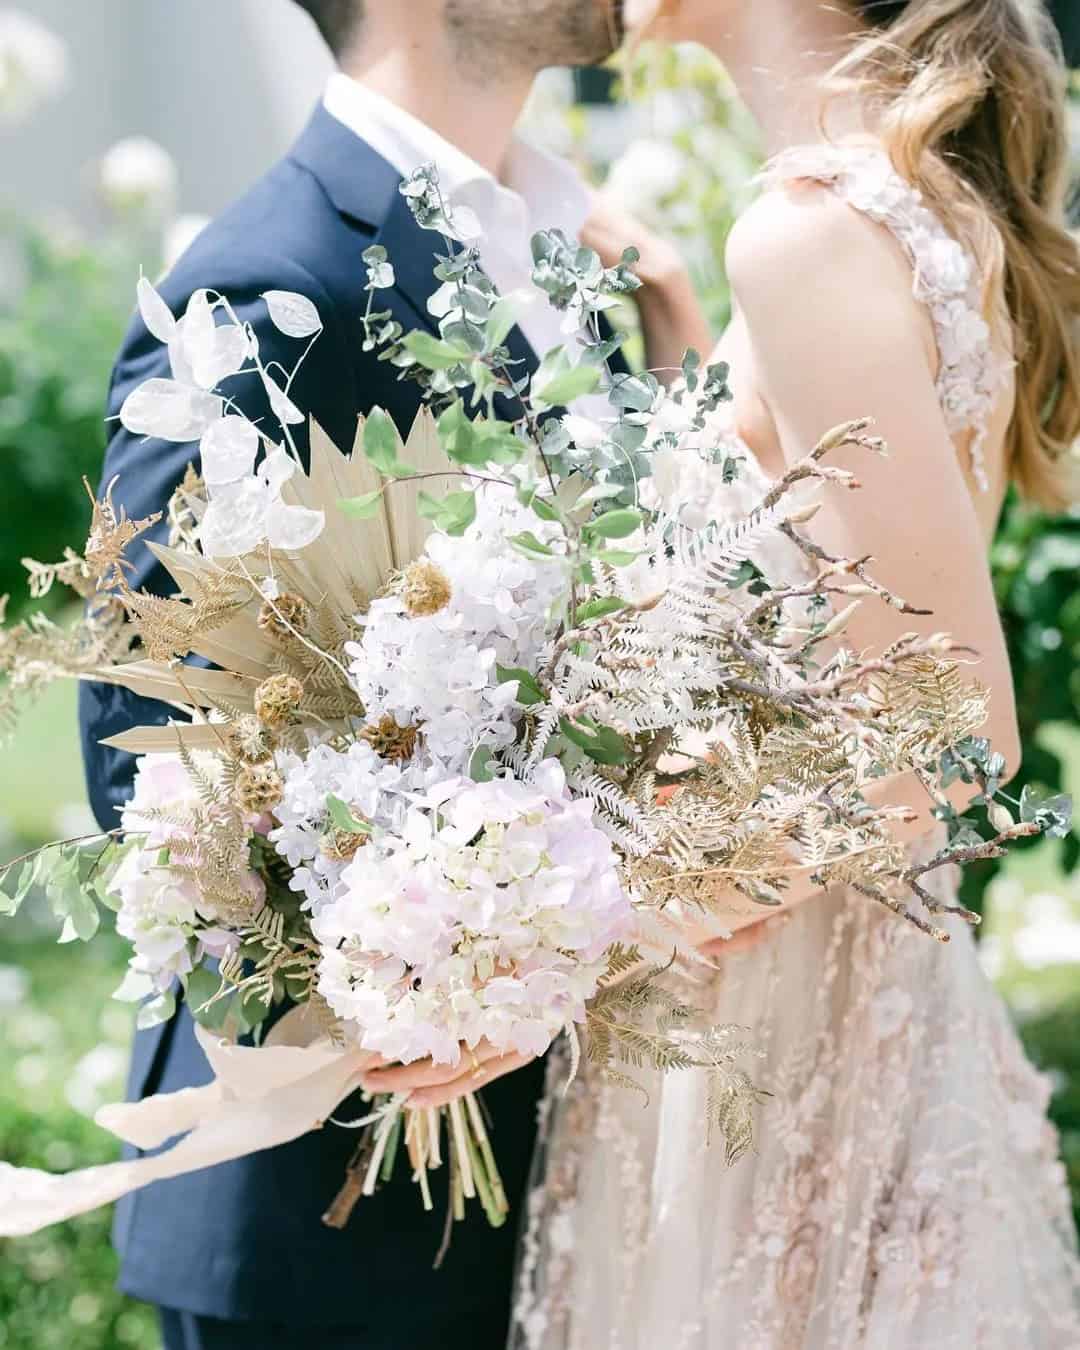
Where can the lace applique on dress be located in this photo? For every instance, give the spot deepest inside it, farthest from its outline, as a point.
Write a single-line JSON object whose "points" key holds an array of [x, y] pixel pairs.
{"points": [[973, 371]]}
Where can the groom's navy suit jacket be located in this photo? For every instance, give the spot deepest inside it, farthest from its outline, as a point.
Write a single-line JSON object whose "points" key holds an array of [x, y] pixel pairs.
{"points": [[244, 1240]]}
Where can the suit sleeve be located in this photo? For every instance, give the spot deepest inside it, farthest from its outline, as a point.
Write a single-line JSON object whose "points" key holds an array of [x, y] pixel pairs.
{"points": [[147, 472]]}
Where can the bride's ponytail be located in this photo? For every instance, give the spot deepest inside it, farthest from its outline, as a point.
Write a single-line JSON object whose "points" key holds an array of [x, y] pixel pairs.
{"points": [[974, 90]]}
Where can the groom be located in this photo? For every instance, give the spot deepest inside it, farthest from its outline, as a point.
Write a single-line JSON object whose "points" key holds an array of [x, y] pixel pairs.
{"points": [[236, 1256]]}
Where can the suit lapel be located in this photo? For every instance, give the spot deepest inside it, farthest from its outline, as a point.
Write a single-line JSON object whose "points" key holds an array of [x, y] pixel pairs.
{"points": [[364, 187]]}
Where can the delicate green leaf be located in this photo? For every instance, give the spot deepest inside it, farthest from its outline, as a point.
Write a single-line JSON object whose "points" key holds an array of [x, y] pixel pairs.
{"points": [[598, 609], [480, 770], [616, 524], [364, 507], [431, 353], [634, 393], [1053, 814], [600, 743], [453, 514], [614, 557], [343, 818], [71, 902], [542, 506], [503, 317], [527, 543], [564, 388], [156, 1010], [382, 443], [199, 988], [529, 691]]}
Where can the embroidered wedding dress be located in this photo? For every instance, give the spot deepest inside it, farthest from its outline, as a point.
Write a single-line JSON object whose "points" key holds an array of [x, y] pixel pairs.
{"points": [[905, 1192]]}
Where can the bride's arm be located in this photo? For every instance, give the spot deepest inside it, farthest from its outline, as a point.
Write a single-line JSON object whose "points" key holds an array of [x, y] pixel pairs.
{"points": [[835, 333]]}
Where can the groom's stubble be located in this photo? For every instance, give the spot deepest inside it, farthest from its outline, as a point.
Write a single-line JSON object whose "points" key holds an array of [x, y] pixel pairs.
{"points": [[530, 35]]}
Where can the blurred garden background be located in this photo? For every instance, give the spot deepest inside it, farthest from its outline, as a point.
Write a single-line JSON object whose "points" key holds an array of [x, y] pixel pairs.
{"points": [[113, 156]]}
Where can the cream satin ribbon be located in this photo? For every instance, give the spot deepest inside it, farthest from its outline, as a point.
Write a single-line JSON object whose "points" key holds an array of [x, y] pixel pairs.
{"points": [[260, 1097]]}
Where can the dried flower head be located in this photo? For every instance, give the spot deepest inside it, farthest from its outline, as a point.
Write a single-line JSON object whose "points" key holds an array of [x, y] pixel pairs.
{"points": [[426, 590], [277, 700], [343, 845], [258, 787], [389, 740], [249, 741], [284, 617]]}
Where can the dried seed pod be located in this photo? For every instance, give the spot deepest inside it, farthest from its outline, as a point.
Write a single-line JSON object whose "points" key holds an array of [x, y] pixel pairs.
{"points": [[389, 740], [258, 787], [426, 590], [277, 700], [286, 616], [249, 741], [343, 845]]}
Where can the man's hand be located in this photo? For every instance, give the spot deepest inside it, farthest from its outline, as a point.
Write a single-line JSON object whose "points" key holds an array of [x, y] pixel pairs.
{"points": [[430, 1085]]}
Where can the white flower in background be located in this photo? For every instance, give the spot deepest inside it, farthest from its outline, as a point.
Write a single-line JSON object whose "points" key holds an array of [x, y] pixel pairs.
{"points": [[33, 64], [440, 672], [96, 1077], [179, 236], [487, 916], [1050, 934], [137, 174], [647, 173], [14, 986]]}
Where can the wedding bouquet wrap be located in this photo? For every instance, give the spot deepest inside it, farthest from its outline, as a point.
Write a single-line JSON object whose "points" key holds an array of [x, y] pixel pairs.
{"points": [[468, 730]]}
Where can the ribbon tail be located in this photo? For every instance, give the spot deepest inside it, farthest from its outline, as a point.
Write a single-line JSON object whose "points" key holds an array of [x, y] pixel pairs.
{"points": [[224, 1128]]}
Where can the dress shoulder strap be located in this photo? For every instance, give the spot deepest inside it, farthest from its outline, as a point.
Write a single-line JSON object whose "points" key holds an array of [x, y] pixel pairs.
{"points": [[972, 370]]}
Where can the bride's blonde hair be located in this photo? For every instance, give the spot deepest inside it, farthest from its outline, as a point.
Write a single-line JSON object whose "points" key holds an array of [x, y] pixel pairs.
{"points": [[971, 94]]}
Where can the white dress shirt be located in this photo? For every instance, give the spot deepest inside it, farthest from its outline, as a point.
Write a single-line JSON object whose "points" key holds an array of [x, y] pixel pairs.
{"points": [[537, 191]]}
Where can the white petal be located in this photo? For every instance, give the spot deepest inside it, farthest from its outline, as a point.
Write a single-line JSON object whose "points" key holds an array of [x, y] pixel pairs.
{"points": [[181, 366], [284, 409], [235, 520], [464, 224], [156, 314], [293, 314], [198, 326], [442, 302], [276, 470], [170, 411], [221, 354], [228, 450], [291, 528]]}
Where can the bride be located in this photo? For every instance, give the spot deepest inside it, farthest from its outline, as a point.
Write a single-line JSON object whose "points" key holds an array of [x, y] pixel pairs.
{"points": [[907, 259]]}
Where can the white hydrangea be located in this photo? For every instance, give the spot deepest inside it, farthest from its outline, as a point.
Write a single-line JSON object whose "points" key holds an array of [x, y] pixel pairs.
{"points": [[440, 672], [162, 913], [487, 916], [380, 791]]}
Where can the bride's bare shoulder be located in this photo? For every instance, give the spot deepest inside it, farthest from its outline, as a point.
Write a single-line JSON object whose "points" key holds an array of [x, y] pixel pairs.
{"points": [[800, 240]]}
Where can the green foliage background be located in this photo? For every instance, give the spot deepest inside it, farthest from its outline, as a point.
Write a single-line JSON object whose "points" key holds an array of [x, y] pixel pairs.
{"points": [[60, 322]]}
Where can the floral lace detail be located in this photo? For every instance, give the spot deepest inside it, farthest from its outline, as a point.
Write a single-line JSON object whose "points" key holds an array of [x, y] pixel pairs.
{"points": [[906, 1193], [973, 371]]}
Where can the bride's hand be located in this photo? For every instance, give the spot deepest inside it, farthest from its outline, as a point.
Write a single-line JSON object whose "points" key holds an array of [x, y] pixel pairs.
{"points": [[715, 949], [671, 317], [431, 1085]]}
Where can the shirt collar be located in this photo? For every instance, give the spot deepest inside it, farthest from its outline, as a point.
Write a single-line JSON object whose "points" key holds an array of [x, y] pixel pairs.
{"points": [[537, 189]]}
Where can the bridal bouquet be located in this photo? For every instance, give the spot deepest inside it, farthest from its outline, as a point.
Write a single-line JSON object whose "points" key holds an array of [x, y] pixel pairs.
{"points": [[467, 727]]}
